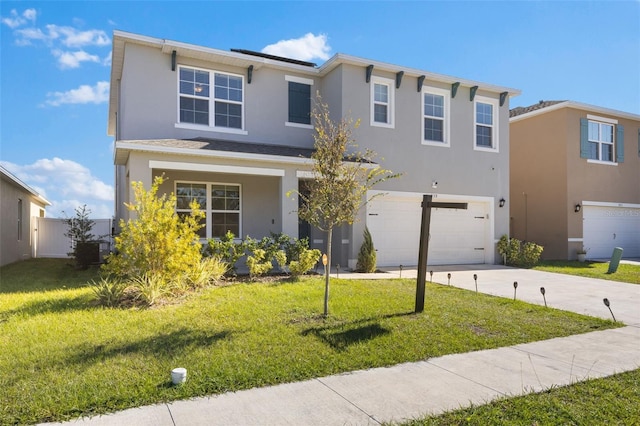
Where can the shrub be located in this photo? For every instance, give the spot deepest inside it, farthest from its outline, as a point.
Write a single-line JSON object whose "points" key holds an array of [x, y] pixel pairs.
{"points": [[306, 260], [226, 249], [157, 242], [367, 255], [258, 263], [209, 271], [518, 254], [150, 287], [108, 292]]}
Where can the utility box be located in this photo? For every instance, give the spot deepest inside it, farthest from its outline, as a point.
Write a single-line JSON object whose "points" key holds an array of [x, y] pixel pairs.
{"points": [[615, 260]]}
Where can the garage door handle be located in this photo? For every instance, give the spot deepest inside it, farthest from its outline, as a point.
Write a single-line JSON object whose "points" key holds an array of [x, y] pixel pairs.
{"points": [[373, 214], [478, 217], [479, 248]]}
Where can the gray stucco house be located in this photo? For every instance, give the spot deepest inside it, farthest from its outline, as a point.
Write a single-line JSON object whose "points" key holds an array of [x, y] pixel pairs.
{"points": [[231, 129], [19, 206]]}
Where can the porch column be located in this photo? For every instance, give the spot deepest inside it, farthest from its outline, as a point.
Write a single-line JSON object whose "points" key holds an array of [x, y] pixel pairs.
{"points": [[289, 205]]}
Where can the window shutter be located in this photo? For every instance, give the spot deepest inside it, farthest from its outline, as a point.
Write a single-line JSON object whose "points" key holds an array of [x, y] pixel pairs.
{"points": [[620, 143], [584, 138]]}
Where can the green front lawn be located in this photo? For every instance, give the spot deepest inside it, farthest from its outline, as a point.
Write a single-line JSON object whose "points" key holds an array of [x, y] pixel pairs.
{"points": [[610, 400], [62, 357], [626, 272]]}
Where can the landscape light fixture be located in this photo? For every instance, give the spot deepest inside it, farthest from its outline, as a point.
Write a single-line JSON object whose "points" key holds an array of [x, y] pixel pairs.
{"points": [[577, 208], [501, 202]]}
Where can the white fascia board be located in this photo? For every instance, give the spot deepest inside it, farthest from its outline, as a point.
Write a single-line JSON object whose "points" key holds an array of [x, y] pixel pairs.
{"points": [[215, 168], [213, 154], [24, 186], [447, 197], [341, 58], [606, 204], [577, 105]]}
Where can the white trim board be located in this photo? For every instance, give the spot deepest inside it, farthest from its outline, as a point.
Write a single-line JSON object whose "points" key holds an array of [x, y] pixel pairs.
{"points": [[214, 168]]}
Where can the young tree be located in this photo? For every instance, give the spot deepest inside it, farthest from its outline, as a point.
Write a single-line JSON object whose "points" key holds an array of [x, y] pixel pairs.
{"points": [[82, 240], [341, 178], [157, 241]]}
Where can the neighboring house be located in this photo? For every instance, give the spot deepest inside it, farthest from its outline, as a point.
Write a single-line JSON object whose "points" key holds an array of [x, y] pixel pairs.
{"points": [[19, 207], [575, 179], [232, 130]]}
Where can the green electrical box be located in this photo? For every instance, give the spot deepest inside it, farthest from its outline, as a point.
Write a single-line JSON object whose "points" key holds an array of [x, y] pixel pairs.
{"points": [[615, 260]]}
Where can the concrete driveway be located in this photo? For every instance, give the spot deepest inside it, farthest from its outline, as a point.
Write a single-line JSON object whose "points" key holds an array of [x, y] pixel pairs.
{"points": [[566, 292]]}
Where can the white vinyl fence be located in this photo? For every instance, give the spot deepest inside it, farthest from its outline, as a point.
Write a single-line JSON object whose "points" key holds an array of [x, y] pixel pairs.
{"points": [[50, 241]]}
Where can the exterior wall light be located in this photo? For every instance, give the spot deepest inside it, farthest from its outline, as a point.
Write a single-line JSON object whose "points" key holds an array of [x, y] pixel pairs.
{"points": [[501, 202], [577, 208]]}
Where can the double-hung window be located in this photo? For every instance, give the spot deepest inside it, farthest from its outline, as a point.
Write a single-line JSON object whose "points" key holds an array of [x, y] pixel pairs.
{"points": [[382, 98], [601, 140], [211, 98], [435, 111], [485, 124], [299, 91], [219, 201]]}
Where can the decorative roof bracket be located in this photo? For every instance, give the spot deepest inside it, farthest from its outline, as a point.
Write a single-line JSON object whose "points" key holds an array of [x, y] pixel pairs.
{"points": [[399, 75], [249, 74], [472, 94], [454, 89], [503, 97], [368, 73], [420, 82], [173, 60]]}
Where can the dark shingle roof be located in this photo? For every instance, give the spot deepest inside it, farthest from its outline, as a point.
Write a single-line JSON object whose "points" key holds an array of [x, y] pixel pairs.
{"points": [[523, 110], [201, 143]]}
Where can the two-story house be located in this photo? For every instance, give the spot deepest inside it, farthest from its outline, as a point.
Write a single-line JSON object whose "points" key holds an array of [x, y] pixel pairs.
{"points": [[232, 130], [575, 179]]}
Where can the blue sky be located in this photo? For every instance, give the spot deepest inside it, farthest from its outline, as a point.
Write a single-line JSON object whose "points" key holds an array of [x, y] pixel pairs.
{"points": [[55, 63]]}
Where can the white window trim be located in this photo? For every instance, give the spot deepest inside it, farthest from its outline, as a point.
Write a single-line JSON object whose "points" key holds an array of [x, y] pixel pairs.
{"points": [[390, 105], [212, 99], [495, 126], [614, 123], [446, 125], [300, 80], [209, 217]]}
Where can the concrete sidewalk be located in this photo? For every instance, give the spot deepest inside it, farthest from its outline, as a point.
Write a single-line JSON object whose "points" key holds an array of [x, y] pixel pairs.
{"points": [[406, 391]]}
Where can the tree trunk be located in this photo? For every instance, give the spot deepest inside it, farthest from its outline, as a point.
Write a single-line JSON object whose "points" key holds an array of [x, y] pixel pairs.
{"points": [[326, 273]]}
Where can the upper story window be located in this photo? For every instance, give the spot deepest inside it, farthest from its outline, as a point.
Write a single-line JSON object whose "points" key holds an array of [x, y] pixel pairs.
{"points": [[435, 111], [299, 101], [219, 201], [486, 124], [601, 140], [202, 92], [382, 107]]}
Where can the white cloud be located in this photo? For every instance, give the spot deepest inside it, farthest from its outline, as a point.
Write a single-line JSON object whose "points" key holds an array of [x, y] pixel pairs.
{"points": [[304, 48], [84, 94], [74, 59], [67, 185], [72, 37], [15, 20], [106, 61]]}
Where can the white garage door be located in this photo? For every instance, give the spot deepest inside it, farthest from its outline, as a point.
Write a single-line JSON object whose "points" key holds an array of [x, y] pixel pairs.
{"points": [[605, 228], [457, 236]]}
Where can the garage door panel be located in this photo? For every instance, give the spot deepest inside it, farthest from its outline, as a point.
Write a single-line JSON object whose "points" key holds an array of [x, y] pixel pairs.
{"points": [[605, 228], [457, 236]]}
